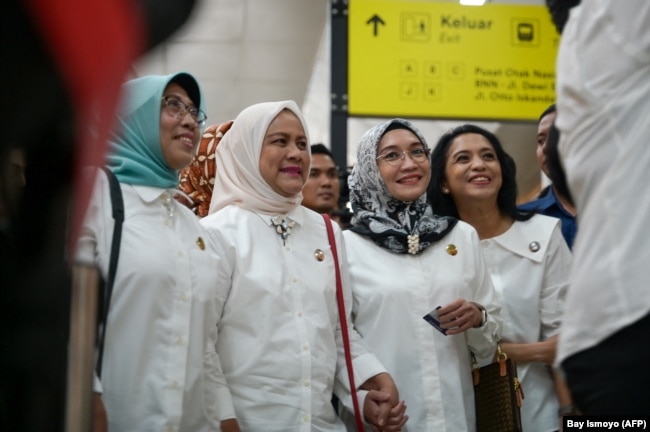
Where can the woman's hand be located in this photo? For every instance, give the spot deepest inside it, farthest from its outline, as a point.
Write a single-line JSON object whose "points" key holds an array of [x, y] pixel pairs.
{"points": [[542, 352], [230, 425], [378, 411], [459, 316], [381, 407]]}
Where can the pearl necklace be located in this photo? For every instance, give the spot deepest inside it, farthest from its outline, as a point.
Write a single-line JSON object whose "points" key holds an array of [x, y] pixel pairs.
{"points": [[413, 241]]}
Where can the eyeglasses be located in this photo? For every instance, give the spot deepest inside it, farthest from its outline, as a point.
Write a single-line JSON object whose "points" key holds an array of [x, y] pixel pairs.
{"points": [[396, 158], [177, 109]]}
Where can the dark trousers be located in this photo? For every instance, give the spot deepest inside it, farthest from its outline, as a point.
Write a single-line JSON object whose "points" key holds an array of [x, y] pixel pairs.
{"points": [[613, 377]]}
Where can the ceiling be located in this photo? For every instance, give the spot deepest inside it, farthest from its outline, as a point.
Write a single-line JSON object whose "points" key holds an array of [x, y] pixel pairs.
{"points": [[249, 51]]}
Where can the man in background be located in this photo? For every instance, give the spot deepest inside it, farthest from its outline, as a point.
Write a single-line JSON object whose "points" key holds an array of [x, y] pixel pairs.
{"points": [[322, 189], [551, 202]]}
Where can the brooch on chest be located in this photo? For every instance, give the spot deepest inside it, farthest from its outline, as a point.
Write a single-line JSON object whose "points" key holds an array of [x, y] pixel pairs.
{"points": [[282, 227]]}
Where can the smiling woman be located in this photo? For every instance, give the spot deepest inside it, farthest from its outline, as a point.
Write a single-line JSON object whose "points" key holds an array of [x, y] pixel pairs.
{"points": [[405, 261], [284, 161], [162, 309], [528, 259], [179, 126], [280, 343], [150, 146], [403, 164]]}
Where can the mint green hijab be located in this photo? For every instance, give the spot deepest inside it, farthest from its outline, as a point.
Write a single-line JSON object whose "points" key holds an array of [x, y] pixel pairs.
{"points": [[134, 152]]}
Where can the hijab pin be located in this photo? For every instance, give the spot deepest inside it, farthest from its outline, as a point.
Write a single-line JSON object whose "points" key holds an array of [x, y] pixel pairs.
{"points": [[533, 246], [200, 244], [319, 255], [451, 249]]}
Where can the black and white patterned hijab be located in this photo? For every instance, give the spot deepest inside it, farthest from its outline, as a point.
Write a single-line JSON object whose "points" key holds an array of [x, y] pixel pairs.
{"points": [[401, 227]]}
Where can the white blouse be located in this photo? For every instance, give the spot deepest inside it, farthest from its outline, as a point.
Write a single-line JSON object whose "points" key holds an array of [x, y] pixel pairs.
{"points": [[529, 265], [162, 314], [603, 70], [279, 343], [392, 292]]}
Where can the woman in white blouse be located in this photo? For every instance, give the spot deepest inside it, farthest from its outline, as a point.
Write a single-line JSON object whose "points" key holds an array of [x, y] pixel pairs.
{"points": [[405, 262], [528, 259], [279, 342], [159, 353]]}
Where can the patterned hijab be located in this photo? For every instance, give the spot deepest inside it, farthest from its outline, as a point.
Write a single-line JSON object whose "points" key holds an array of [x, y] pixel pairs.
{"points": [[388, 221], [134, 152], [197, 179], [238, 180]]}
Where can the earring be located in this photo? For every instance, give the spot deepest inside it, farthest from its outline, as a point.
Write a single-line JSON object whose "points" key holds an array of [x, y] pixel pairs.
{"points": [[445, 190]]}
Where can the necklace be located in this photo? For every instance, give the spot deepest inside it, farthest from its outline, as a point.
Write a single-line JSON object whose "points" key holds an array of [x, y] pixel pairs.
{"points": [[413, 241], [282, 227]]}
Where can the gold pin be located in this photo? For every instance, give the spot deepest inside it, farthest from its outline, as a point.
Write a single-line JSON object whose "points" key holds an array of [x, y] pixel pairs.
{"points": [[200, 244], [319, 255], [451, 249]]}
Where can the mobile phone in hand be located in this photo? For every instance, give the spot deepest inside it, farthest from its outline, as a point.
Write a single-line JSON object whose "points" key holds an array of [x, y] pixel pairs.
{"points": [[433, 319]]}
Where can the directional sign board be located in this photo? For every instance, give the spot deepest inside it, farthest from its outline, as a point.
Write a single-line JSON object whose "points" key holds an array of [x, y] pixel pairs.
{"points": [[444, 60]]}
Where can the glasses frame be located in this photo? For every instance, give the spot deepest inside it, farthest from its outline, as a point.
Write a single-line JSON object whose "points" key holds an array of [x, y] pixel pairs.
{"points": [[199, 118], [402, 157]]}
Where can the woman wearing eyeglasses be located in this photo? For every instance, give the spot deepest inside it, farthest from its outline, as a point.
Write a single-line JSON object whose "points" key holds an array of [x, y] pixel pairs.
{"points": [[158, 357], [405, 262]]}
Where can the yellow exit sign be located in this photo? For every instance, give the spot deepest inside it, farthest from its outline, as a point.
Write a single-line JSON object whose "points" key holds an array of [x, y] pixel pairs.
{"points": [[428, 59]]}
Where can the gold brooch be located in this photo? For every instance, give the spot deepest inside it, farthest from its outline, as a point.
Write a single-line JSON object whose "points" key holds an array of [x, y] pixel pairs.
{"points": [[200, 244], [319, 255], [451, 249]]}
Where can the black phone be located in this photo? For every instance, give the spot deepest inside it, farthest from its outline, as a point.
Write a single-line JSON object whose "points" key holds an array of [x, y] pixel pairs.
{"points": [[433, 319]]}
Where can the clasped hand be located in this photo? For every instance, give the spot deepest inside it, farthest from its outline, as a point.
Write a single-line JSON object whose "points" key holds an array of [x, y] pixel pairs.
{"points": [[459, 316], [382, 407]]}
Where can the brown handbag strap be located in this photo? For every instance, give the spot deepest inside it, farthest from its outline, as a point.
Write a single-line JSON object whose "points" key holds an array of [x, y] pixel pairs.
{"points": [[344, 325]]}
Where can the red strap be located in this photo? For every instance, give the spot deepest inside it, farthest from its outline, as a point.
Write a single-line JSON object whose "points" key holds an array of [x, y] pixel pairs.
{"points": [[344, 323]]}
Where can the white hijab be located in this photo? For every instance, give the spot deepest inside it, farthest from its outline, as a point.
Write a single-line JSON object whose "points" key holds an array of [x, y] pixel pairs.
{"points": [[238, 179]]}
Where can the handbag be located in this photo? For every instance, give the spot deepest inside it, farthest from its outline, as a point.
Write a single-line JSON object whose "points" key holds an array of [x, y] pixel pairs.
{"points": [[343, 319], [497, 395]]}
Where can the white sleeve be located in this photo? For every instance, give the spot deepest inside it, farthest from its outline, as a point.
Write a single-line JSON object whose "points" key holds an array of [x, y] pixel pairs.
{"points": [[482, 341]]}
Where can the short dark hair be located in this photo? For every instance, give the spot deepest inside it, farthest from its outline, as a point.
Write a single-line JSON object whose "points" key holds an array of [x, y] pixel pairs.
{"points": [[559, 10], [555, 167], [547, 111], [444, 205], [320, 148]]}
